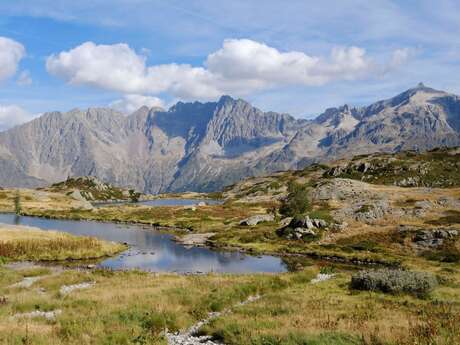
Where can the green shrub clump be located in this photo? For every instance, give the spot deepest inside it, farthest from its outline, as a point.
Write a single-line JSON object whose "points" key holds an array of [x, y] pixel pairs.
{"points": [[394, 281], [297, 202]]}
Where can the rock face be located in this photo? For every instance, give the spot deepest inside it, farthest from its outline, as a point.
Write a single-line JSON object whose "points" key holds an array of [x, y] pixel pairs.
{"points": [[205, 146]]}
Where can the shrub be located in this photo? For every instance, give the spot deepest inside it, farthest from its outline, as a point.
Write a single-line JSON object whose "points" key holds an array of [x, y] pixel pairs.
{"points": [[297, 202], [394, 281]]}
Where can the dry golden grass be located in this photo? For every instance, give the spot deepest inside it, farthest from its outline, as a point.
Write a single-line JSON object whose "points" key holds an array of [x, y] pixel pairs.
{"points": [[301, 313], [26, 243], [122, 307]]}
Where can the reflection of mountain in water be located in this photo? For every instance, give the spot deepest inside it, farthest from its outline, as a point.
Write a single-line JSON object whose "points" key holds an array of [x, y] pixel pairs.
{"points": [[155, 251]]}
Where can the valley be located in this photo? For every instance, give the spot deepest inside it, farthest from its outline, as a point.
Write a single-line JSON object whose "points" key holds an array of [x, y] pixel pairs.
{"points": [[325, 223]]}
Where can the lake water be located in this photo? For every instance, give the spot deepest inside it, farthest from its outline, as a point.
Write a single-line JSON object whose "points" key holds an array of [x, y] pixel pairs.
{"points": [[179, 202], [154, 251], [165, 202]]}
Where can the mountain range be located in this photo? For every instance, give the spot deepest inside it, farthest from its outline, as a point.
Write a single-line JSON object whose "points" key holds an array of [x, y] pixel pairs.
{"points": [[205, 146]]}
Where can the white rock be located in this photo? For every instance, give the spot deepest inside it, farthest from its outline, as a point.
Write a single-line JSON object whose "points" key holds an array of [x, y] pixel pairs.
{"points": [[66, 289], [49, 315]]}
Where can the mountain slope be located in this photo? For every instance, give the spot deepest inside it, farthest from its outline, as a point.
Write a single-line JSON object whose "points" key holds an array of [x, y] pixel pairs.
{"points": [[204, 146]]}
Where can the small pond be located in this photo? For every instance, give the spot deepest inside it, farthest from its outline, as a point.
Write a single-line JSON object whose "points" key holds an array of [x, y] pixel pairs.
{"points": [[152, 250]]}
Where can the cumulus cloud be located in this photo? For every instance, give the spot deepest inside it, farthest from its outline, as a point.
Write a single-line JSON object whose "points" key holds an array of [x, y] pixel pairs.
{"points": [[253, 61], [240, 67], [12, 115], [11, 52], [131, 103]]}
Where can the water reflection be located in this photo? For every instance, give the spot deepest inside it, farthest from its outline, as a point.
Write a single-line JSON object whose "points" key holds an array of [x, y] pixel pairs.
{"points": [[154, 251]]}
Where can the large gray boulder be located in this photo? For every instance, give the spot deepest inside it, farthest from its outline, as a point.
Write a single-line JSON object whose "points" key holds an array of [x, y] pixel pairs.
{"points": [[254, 220]]}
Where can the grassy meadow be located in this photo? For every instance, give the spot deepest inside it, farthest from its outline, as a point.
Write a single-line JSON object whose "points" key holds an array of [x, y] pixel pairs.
{"points": [[137, 308]]}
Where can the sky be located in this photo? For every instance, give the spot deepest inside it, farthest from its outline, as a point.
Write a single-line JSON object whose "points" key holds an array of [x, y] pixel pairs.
{"points": [[295, 56]]}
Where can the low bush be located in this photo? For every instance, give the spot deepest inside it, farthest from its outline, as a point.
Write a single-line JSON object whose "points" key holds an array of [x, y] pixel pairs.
{"points": [[394, 281], [297, 202]]}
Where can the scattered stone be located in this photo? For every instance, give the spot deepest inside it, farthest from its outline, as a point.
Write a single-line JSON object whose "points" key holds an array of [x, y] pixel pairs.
{"points": [[411, 181], [423, 204], [321, 277], [369, 213], [201, 203], [339, 226], [66, 289], [26, 282], [49, 315], [449, 202], [91, 266], [190, 337], [254, 220], [434, 238]]}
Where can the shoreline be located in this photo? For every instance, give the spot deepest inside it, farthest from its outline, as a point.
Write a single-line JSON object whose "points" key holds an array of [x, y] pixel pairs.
{"points": [[312, 255]]}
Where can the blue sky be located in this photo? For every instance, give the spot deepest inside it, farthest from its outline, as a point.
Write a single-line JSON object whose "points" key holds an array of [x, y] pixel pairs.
{"points": [[298, 57]]}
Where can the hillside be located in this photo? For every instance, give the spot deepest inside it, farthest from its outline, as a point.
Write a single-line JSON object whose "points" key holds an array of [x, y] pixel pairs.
{"points": [[311, 212], [205, 146], [92, 189]]}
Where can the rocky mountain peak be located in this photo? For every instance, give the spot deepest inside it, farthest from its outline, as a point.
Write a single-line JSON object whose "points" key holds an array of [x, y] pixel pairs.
{"points": [[204, 146]]}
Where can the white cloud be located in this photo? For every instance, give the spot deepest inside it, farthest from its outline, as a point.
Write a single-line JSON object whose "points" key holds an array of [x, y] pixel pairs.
{"points": [[12, 115], [24, 78], [131, 103], [11, 52], [240, 67], [253, 61], [400, 56]]}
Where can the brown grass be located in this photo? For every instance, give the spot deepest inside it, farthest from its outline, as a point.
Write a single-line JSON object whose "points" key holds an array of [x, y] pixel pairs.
{"points": [[25, 243]]}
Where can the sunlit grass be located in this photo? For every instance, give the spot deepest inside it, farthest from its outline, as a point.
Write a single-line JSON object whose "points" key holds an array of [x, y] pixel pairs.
{"points": [[21, 243]]}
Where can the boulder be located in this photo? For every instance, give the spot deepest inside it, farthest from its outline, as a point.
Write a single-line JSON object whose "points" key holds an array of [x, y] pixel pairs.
{"points": [[85, 204], [254, 220], [434, 238], [304, 222], [285, 221]]}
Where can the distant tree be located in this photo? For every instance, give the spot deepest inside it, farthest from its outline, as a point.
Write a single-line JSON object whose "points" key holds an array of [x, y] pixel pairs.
{"points": [[133, 195], [296, 203], [17, 203]]}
